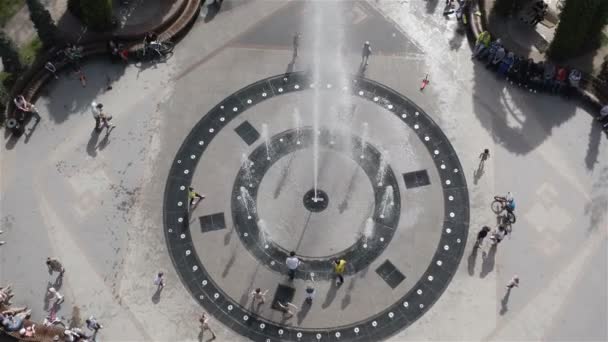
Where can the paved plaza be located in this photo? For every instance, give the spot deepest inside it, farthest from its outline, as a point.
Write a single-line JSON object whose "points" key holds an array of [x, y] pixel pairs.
{"points": [[316, 154]]}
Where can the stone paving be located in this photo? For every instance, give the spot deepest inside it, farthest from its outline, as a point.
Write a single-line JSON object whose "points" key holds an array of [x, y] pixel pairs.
{"points": [[104, 204]]}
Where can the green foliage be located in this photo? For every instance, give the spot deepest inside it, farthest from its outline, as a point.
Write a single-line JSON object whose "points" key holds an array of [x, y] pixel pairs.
{"points": [[4, 95], [30, 51], [9, 54], [580, 28], [8, 8], [97, 14], [47, 31]]}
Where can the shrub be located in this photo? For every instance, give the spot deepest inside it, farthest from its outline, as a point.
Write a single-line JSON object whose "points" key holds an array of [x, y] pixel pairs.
{"points": [[47, 31], [97, 14], [9, 54]]}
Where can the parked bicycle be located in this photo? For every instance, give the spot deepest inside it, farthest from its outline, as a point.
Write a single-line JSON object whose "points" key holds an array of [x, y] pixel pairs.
{"points": [[502, 204], [156, 50]]}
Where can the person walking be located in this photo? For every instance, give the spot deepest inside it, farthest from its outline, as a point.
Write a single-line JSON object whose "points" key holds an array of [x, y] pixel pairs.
{"points": [[92, 324], [259, 296], [204, 320], [2, 242], [365, 53], [105, 122], [193, 195], [310, 289], [54, 266], [339, 268], [296, 44], [292, 263], [286, 308], [498, 235], [160, 280], [56, 295], [481, 235], [513, 283], [485, 155], [96, 109]]}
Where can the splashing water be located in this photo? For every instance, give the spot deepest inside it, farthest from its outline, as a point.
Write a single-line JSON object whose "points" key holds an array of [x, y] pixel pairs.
{"points": [[364, 138], [247, 166], [388, 201], [384, 161], [247, 202], [368, 232], [266, 138], [297, 122]]}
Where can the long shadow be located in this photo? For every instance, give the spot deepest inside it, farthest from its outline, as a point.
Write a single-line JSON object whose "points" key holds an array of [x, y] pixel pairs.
{"points": [[489, 261], [304, 309], [431, 5], [504, 302], [156, 295], [471, 261], [331, 294], [593, 148], [229, 263], [64, 101], [92, 144]]}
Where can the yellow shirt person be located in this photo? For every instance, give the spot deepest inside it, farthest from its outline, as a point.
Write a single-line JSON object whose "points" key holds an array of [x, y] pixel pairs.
{"points": [[339, 268]]}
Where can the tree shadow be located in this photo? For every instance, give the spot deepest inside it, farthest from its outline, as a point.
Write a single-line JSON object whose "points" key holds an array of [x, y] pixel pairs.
{"points": [[517, 120], [504, 301], [431, 5], [471, 260], [64, 100], [489, 261]]}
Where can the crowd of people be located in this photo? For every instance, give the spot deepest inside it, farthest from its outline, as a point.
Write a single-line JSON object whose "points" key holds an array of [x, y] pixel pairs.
{"points": [[541, 76]]}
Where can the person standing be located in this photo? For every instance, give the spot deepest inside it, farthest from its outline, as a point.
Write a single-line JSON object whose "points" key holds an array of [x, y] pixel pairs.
{"points": [[54, 266], [339, 268], [96, 109], [365, 53], [292, 263], [160, 280], [56, 295], [485, 155], [2, 242], [481, 235], [193, 195], [204, 320], [513, 283], [258, 295], [286, 308], [310, 289], [296, 44], [92, 324]]}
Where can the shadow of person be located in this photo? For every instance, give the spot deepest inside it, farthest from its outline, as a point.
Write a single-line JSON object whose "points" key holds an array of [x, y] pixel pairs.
{"points": [[290, 66], [488, 262], [471, 261], [92, 144], [229, 264], [156, 296], [593, 148], [477, 174], [105, 141], [362, 69], [304, 309], [504, 301], [331, 294], [30, 132]]}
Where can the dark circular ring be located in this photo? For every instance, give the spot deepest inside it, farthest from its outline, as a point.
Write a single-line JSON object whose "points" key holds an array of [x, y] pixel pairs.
{"points": [[359, 255], [315, 200], [378, 326]]}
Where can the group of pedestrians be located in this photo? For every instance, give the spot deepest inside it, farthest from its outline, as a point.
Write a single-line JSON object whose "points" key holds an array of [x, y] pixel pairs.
{"points": [[525, 72]]}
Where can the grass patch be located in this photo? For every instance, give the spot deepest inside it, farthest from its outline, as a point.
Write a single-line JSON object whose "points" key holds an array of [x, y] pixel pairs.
{"points": [[603, 38], [8, 8], [30, 51]]}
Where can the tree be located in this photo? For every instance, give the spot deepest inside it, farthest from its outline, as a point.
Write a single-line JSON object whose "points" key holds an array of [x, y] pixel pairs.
{"points": [[9, 55], [580, 27], [97, 14], [47, 31]]}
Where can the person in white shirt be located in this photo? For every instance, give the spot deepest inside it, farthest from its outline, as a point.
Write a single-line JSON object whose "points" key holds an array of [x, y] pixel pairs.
{"points": [[292, 263]]}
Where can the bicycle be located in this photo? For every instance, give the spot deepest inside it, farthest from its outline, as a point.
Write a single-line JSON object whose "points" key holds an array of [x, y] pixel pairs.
{"points": [[158, 49], [499, 205]]}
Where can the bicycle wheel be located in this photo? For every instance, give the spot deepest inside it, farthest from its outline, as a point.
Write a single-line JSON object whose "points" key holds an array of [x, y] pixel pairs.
{"points": [[497, 207], [165, 47], [511, 217]]}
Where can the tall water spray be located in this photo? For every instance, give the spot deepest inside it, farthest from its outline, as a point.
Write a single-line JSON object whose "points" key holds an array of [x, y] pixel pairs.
{"points": [[388, 201], [384, 161], [247, 164], [247, 202], [364, 138], [262, 231], [297, 122], [266, 138], [368, 232]]}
